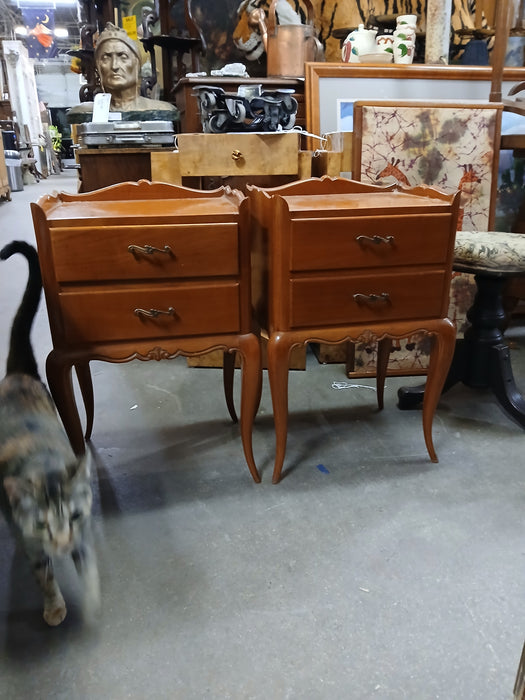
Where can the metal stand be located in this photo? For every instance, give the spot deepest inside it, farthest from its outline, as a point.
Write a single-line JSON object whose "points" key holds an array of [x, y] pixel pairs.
{"points": [[482, 359]]}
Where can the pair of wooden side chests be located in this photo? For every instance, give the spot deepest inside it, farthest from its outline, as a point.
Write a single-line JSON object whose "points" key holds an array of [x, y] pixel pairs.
{"points": [[150, 271]]}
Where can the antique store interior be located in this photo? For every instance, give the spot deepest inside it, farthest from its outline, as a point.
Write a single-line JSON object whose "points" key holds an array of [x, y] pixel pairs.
{"points": [[366, 569]]}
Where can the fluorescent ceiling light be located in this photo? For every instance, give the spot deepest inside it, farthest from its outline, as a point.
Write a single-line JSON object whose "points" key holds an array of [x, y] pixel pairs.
{"points": [[51, 4], [59, 32]]}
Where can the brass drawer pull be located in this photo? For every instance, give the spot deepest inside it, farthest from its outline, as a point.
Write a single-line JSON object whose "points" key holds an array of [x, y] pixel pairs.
{"points": [[149, 249], [237, 155], [153, 313], [375, 239], [372, 298]]}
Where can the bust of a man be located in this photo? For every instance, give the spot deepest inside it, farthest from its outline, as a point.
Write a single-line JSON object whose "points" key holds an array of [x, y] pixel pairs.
{"points": [[117, 60]]}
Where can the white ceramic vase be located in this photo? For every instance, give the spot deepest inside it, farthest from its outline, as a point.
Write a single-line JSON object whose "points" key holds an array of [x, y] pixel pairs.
{"points": [[403, 50], [405, 38]]}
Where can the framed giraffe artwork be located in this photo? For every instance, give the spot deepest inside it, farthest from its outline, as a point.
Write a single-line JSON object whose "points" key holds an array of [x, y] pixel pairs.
{"points": [[447, 145], [327, 85]]}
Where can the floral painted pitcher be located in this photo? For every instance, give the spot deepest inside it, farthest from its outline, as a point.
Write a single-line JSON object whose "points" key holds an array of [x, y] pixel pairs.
{"points": [[360, 41]]}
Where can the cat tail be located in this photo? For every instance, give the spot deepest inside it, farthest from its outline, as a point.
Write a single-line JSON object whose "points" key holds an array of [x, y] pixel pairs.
{"points": [[21, 358]]}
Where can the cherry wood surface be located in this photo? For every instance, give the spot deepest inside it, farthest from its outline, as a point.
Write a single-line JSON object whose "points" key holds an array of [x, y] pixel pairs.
{"points": [[146, 271], [330, 300], [101, 167], [201, 248], [367, 275], [341, 247]]}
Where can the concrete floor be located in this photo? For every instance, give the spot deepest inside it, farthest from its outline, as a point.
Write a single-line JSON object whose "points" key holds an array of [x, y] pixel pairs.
{"points": [[378, 575]]}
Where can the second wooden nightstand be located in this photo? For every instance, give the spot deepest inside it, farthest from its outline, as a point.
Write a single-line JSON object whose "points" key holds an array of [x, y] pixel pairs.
{"points": [[337, 260]]}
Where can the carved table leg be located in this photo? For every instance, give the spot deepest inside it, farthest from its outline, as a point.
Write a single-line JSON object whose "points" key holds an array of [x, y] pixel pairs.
{"points": [[251, 380], [411, 397], [457, 366], [58, 371], [488, 364], [383, 355], [228, 371], [278, 365], [482, 359], [440, 359], [85, 382], [503, 384]]}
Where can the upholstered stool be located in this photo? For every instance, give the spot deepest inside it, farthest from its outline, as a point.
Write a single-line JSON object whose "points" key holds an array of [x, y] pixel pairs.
{"points": [[482, 358]]}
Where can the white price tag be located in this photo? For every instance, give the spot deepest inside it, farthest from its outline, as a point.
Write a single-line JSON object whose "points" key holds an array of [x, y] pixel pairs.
{"points": [[101, 107]]}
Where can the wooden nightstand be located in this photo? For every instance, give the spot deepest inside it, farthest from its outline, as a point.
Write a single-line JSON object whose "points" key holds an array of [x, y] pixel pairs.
{"points": [[146, 271], [336, 260]]}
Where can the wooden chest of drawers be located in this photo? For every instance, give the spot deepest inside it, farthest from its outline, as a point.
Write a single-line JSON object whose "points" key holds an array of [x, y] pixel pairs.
{"points": [[370, 245], [338, 260], [148, 271]]}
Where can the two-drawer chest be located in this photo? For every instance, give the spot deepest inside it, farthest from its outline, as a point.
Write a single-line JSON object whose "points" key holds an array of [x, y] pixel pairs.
{"points": [[146, 271], [336, 260]]}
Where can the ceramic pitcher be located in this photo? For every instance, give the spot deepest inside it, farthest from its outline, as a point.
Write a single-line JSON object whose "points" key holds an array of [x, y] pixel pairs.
{"points": [[360, 41]]}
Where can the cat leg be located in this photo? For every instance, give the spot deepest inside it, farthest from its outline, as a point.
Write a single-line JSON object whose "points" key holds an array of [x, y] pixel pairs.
{"points": [[85, 561], [54, 604]]}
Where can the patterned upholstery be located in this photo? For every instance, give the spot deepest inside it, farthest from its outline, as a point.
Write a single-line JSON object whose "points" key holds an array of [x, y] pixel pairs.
{"points": [[496, 252], [444, 145]]}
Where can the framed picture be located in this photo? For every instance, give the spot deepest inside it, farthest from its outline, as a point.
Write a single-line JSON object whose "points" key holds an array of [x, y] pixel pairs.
{"points": [[443, 144], [331, 88], [450, 146]]}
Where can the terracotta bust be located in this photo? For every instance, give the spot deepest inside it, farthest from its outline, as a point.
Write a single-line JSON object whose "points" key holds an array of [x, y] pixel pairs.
{"points": [[117, 59]]}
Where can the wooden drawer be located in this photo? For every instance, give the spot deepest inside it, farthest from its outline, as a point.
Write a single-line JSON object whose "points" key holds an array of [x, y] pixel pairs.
{"points": [[108, 314], [326, 301], [197, 250], [334, 244], [270, 153]]}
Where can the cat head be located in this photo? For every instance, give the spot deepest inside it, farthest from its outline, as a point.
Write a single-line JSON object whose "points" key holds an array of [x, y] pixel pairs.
{"points": [[50, 504]]}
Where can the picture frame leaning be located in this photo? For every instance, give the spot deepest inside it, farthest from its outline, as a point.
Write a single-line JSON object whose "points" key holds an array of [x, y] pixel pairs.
{"points": [[331, 89], [447, 145], [329, 84]]}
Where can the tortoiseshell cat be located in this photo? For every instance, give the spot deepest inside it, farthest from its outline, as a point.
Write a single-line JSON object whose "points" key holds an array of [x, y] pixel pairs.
{"points": [[47, 487]]}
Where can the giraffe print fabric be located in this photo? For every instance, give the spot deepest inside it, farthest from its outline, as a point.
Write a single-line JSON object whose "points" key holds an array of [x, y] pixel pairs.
{"points": [[446, 147], [449, 148]]}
